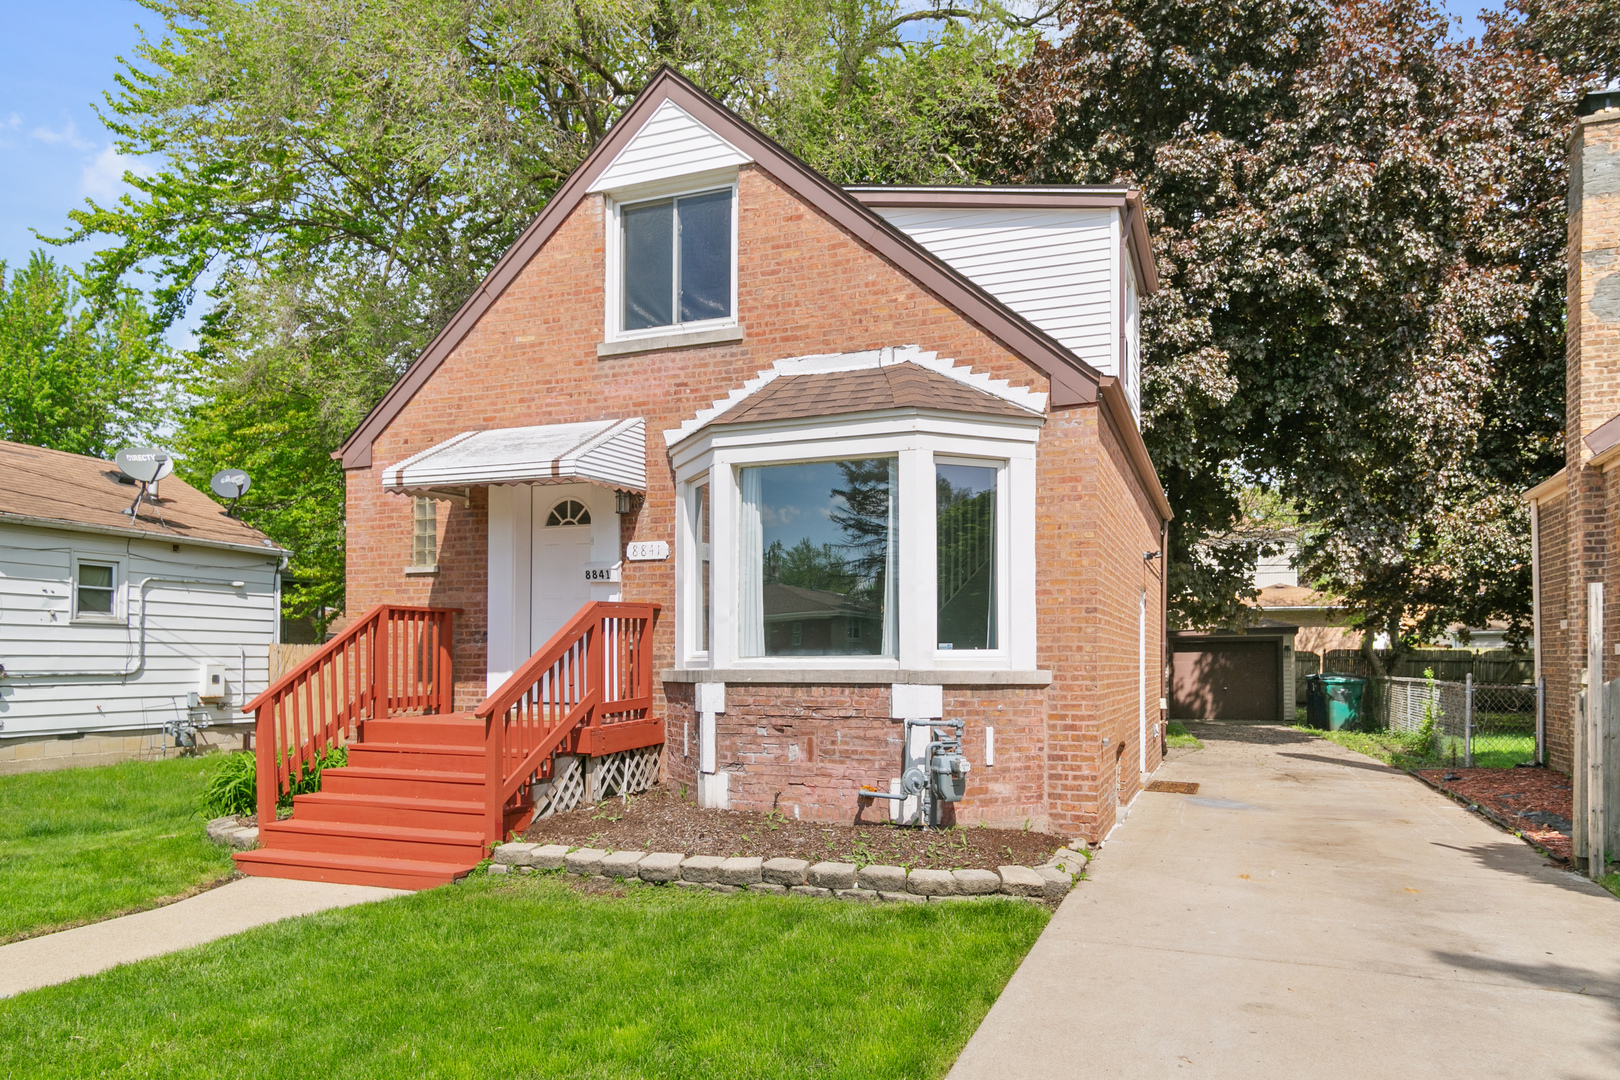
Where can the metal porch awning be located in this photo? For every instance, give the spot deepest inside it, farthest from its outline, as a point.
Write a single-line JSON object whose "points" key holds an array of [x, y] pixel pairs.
{"points": [[612, 453]]}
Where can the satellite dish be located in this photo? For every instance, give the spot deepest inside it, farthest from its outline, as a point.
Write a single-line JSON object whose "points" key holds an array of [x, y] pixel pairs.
{"points": [[144, 464], [230, 483]]}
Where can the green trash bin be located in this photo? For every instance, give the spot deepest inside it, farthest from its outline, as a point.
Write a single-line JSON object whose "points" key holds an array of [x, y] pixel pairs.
{"points": [[1341, 705]]}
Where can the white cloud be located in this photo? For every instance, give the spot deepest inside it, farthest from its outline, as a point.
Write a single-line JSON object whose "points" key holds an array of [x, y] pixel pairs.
{"points": [[103, 178], [13, 120], [67, 136]]}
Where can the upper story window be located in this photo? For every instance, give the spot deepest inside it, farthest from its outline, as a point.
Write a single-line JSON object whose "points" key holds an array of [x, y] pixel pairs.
{"points": [[676, 260]]}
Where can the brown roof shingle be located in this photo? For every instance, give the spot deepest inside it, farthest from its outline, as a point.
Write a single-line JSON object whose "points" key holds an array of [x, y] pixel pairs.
{"points": [[895, 386], [54, 486]]}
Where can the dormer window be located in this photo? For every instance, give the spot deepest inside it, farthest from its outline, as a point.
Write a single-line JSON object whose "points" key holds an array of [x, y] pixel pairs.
{"points": [[676, 261]]}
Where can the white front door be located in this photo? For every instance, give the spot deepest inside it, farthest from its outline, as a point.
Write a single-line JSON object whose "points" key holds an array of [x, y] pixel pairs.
{"points": [[541, 539], [562, 547]]}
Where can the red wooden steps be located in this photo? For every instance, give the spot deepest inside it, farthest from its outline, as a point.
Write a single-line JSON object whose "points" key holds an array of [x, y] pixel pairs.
{"points": [[407, 812]]}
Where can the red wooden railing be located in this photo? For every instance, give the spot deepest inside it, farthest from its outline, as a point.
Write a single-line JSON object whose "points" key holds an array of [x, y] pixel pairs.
{"points": [[589, 687], [393, 660]]}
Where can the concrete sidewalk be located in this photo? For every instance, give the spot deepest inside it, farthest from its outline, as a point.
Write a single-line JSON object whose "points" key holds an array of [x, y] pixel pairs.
{"points": [[230, 909], [1311, 913]]}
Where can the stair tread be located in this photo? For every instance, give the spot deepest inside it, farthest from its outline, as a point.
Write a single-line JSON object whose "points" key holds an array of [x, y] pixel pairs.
{"points": [[355, 862], [400, 802], [377, 832], [420, 748], [384, 772]]}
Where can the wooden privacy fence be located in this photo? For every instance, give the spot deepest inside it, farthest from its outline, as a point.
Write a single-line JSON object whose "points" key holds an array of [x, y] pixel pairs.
{"points": [[1495, 667], [589, 688], [392, 660]]}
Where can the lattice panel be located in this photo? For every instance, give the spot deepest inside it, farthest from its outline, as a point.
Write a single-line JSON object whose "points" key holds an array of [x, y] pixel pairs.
{"points": [[565, 791], [628, 772]]}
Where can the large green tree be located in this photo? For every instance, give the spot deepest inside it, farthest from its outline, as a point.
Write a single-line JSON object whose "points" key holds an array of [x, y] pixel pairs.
{"points": [[339, 174], [76, 376], [1359, 228]]}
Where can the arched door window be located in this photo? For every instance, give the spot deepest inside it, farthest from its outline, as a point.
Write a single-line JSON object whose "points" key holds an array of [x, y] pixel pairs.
{"points": [[568, 512]]}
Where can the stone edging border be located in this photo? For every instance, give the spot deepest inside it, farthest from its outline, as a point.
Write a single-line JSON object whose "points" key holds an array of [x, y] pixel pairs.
{"points": [[230, 831], [798, 877]]}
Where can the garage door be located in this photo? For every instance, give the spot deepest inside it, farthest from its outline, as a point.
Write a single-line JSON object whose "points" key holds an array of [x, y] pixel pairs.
{"points": [[1225, 680]]}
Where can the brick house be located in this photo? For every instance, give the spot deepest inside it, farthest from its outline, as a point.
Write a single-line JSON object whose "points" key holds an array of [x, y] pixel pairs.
{"points": [[874, 451], [1574, 513]]}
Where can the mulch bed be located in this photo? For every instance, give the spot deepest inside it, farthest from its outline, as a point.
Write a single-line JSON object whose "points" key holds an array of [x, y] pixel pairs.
{"points": [[660, 820], [1535, 802]]}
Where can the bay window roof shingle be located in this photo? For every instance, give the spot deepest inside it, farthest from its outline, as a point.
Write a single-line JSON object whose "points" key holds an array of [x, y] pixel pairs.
{"points": [[873, 389]]}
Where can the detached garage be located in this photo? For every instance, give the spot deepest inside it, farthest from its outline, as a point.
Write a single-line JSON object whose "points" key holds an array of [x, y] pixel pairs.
{"points": [[1233, 674]]}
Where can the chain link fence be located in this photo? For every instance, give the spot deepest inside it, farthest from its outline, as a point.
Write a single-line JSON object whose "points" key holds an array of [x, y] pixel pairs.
{"points": [[1472, 725]]}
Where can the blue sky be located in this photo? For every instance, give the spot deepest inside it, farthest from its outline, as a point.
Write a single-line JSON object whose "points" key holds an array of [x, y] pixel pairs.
{"points": [[60, 56]]}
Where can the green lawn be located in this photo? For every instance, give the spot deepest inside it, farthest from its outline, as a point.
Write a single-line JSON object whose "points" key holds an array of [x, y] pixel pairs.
{"points": [[79, 845], [1391, 747], [1406, 750], [526, 976]]}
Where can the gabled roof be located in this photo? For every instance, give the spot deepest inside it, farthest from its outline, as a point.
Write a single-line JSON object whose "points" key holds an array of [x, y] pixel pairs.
{"points": [[1073, 381], [55, 489]]}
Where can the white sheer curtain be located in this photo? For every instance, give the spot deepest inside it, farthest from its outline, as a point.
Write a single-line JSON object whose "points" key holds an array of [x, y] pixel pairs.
{"points": [[750, 569], [891, 576]]}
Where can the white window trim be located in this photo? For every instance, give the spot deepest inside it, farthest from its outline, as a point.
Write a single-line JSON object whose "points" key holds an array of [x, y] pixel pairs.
{"points": [[613, 249], [918, 439], [998, 657], [120, 614]]}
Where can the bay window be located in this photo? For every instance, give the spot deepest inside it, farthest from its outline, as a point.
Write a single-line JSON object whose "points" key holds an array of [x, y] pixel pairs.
{"points": [[865, 543]]}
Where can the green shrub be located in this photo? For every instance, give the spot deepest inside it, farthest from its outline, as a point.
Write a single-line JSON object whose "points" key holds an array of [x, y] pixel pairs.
{"points": [[233, 786]]}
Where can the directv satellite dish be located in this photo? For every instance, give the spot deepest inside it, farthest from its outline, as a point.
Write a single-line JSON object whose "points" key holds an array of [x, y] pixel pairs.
{"points": [[230, 483], [144, 464]]}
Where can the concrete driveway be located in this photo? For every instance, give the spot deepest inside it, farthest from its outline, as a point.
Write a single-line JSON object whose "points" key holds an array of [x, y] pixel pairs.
{"points": [[1311, 913]]}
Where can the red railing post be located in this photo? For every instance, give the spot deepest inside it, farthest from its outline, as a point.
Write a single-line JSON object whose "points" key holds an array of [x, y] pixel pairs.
{"points": [[494, 772], [441, 670], [379, 667], [264, 762]]}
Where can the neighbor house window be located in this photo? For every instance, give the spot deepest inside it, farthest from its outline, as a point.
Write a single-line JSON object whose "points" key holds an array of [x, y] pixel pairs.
{"points": [[965, 530], [424, 533], [676, 255], [95, 590], [817, 545]]}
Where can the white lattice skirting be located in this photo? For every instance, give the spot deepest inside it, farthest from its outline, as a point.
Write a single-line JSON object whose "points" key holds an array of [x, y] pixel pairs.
{"points": [[583, 779]]}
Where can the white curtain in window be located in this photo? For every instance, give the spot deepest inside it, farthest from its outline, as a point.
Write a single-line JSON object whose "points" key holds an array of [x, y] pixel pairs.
{"points": [[891, 577], [750, 569]]}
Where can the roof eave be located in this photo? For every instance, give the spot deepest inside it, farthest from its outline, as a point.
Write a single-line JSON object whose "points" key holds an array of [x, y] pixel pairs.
{"points": [[10, 518], [1548, 488], [1124, 420]]}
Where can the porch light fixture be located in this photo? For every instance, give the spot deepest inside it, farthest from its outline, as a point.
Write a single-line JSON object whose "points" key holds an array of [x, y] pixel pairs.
{"points": [[625, 502]]}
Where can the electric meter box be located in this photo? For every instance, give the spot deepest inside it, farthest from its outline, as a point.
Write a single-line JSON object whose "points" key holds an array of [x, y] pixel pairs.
{"points": [[211, 685]]}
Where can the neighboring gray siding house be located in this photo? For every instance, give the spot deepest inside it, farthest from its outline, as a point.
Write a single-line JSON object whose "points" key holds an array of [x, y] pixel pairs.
{"points": [[116, 630]]}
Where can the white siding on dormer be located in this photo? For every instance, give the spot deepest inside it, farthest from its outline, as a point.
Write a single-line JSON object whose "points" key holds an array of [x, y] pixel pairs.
{"points": [[1056, 268], [670, 144], [1131, 360]]}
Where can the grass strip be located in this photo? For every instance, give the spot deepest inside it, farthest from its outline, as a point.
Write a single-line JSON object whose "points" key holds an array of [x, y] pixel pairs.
{"points": [[530, 976], [80, 845], [1176, 734]]}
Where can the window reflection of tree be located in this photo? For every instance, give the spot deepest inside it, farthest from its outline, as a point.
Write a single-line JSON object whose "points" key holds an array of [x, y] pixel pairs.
{"points": [[966, 550]]}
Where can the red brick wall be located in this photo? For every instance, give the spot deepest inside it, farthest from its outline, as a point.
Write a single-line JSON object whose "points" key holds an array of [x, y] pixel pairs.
{"points": [[804, 287], [1562, 656]]}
